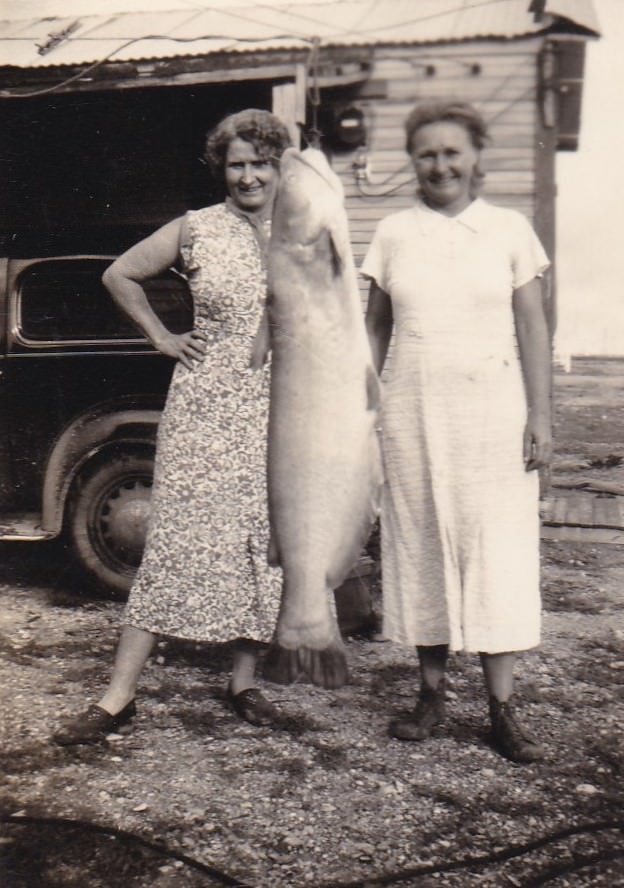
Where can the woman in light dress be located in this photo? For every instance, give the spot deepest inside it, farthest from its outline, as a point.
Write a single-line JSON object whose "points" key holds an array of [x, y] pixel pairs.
{"points": [[204, 574], [466, 422]]}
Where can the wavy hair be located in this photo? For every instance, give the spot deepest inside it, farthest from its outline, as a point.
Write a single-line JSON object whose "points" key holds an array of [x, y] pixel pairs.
{"points": [[266, 132]]}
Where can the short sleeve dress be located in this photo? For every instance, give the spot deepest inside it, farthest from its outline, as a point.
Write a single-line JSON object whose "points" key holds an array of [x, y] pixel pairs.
{"points": [[460, 521], [204, 574]]}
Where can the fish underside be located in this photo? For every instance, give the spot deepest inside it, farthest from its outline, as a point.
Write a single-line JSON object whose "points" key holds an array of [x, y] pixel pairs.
{"points": [[324, 463]]}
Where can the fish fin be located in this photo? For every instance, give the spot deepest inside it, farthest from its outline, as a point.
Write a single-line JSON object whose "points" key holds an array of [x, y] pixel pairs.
{"points": [[261, 343], [373, 389], [336, 258], [273, 556], [345, 556]]}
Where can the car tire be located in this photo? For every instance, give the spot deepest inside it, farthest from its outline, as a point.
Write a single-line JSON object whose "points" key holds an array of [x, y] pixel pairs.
{"points": [[108, 519]]}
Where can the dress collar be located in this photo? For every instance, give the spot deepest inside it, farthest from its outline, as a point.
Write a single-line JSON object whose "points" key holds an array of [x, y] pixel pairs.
{"points": [[262, 216], [260, 225], [472, 217]]}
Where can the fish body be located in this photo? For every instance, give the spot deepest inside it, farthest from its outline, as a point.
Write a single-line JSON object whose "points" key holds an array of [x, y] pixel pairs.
{"points": [[324, 463]]}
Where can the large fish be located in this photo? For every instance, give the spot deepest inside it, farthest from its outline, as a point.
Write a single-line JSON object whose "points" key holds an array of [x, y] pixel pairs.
{"points": [[324, 464]]}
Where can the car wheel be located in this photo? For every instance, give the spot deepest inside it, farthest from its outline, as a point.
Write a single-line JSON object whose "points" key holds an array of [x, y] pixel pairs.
{"points": [[108, 519]]}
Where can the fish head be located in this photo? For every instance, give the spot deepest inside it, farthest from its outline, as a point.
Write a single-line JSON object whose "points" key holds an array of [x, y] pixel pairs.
{"points": [[308, 213]]}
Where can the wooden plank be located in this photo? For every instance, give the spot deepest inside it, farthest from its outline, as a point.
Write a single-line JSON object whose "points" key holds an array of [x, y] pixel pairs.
{"points": [[559, 510], [583, 510], [609, 511], [582, 535]]}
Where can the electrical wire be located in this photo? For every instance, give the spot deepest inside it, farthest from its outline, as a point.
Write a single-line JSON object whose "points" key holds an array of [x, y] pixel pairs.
{"points": [[493, 857], [223, 878], [6, 94], [303, 36], [374, 29], [565, 869], [384, 879]]}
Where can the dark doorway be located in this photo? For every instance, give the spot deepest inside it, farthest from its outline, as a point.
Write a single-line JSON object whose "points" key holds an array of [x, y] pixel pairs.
{"points": [[93, 172]]}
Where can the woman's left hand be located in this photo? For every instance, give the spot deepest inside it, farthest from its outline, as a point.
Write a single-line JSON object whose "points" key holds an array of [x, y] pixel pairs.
{"points": [[537, 450]]}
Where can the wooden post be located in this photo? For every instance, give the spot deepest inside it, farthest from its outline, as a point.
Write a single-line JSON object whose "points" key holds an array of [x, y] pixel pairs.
{"points": [[289, 104]]}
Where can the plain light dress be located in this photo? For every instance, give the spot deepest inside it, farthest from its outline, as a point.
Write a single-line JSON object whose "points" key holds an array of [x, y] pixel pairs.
{"points": [[460, 520]]}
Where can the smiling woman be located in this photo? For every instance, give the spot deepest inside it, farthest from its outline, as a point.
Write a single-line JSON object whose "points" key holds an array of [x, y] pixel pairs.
{"points": [[204, 574], [250, 179], [466, 413]]}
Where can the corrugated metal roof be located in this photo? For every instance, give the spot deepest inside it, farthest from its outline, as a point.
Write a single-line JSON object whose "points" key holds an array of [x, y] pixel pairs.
{"points": [[135, 36]]}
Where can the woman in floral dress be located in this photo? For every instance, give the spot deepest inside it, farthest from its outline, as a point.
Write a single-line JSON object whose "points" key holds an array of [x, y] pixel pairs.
{"points": [[204, 574]]}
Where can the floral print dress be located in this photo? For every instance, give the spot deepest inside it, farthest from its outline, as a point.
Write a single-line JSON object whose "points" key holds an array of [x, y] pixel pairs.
{"points": [[204, 574]]}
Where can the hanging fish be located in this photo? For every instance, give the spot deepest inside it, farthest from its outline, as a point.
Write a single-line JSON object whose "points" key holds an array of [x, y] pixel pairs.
{"points": [[324, 462]]}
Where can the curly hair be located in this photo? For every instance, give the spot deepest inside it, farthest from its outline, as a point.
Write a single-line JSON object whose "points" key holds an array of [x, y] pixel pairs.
{"points": [[454, 112], [268, 135]]}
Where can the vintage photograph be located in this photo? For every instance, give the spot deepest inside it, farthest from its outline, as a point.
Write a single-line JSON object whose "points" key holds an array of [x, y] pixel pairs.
{"points": [[311, 444]]}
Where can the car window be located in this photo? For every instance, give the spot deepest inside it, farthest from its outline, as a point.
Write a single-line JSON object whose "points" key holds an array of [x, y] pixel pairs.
{"points": [[64, 300]]}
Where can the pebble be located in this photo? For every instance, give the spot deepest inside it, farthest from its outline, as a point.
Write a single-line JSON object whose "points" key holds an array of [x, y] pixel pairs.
{"points": [[587, 789]]}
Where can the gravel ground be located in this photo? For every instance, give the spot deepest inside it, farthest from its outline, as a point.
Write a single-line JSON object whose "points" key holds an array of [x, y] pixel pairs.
{"points": [[194, 797]]}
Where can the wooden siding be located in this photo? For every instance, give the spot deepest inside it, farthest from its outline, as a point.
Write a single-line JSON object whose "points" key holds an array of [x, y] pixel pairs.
{"points": [[500, 78]]}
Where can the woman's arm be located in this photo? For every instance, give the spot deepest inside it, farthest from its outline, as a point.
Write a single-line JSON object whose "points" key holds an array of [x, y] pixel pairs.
{"points": [[379, 324], [123, 279], [536, 363]]}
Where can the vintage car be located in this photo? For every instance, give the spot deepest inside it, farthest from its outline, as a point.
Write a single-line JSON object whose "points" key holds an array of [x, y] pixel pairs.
{"points": [[81, 392]]}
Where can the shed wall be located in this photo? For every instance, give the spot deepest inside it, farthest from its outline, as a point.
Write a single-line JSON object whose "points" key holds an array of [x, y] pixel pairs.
{"points": [[499, 78]]}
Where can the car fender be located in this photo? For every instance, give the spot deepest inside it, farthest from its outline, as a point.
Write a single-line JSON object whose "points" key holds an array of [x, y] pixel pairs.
{"points": [[100, 428]]}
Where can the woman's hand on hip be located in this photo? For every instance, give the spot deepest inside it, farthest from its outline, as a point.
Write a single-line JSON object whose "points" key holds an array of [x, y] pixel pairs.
{"points": [[184, 347], [537, 450]]}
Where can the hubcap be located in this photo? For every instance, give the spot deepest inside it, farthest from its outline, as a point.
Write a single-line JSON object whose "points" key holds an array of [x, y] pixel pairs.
{"points": [[121, 520]]}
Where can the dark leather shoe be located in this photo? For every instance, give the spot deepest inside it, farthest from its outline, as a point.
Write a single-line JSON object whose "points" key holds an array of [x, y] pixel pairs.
{"points": [[509, 738], [253, 707], [430, 711], [93, 725]]}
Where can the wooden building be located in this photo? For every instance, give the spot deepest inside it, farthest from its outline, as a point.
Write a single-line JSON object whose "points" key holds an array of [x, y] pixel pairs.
{"points": [[103, 117]]}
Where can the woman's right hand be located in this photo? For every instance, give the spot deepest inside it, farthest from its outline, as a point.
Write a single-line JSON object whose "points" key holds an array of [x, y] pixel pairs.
{"points": [[184, 347]]}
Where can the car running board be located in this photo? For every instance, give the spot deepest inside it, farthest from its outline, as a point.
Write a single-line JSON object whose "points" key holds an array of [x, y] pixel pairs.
{"points": [[24, 527]]}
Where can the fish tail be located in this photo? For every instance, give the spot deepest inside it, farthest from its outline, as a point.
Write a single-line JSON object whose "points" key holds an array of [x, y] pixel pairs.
{"points": [[326, 668], [281, 665]]}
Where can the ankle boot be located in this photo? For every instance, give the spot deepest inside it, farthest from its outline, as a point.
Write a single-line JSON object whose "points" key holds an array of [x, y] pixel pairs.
{"points": [[430, 711], [508, 737]]}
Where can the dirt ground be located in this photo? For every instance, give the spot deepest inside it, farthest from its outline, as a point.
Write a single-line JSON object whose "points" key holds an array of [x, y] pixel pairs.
{"points": [[193, 798]]}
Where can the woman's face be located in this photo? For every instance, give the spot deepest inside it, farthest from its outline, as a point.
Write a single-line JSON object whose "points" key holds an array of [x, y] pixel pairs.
{"points": [[445, 160], [250, 181]]}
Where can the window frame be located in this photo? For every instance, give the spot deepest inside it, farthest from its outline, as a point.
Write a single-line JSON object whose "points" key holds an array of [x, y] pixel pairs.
{"points": [[21, 334]]}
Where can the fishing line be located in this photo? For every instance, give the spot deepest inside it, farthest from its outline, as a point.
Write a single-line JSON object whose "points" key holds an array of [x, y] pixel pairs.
{"points": [[313, 135]]}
